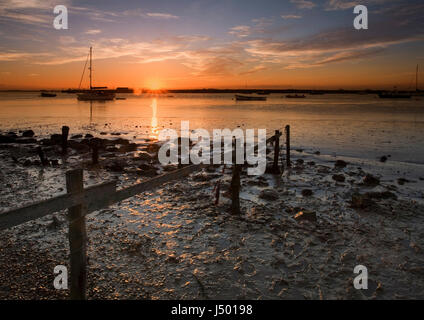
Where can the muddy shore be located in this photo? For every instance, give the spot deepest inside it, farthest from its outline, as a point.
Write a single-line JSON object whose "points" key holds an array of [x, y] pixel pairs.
{"points": [[299, 236]]}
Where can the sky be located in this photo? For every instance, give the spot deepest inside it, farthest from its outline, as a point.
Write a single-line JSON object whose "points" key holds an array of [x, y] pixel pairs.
{"points": [[182, 44]]}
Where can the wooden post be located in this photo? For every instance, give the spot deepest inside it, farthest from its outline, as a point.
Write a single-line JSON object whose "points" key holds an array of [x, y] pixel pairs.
{"points": [[288, 162], [275, 168], [95, 152], [43, 158], [235, 189], [65, 133], [77, 238]]}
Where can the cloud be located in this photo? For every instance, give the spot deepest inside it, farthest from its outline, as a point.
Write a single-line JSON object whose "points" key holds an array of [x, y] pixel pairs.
{"points": [[291, 16], [93, 31], [161, 15], [303, 4], [240, 31], [17, 56]]}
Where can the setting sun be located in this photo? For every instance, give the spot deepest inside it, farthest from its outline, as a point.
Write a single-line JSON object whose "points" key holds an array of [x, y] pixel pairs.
{"points": [[153, 84]]}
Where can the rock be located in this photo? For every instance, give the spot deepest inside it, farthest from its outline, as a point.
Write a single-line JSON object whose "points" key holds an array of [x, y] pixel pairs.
{"points": [[153, 148], [54, 162], [317, 153], [118, 141], [7, 139], [361, 201], [370, 180], [128, 147], [269, 194], [144, 156], [111, 149], [28, 134], [88, 136], [383, 159], [300, 161], [311, 163], [340, 164], [79, 146], [115, 134], [381, 195], [54, 224], [402, 181], [117, 166], [339, 178], [56, 138], [103, 133], [25, 140], [307, 192], [306, 216], [77, 136], [27, 163]]}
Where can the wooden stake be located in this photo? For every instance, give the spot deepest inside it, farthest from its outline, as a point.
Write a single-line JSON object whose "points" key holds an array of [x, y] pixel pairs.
{"points": [[275, 168], [235, 189], [95, 152], [288, 162], [77, 238], [65, 133], [42, 156]]}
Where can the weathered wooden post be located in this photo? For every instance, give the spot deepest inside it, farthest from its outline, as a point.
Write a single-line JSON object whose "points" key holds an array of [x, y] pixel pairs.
{"points": [[95, 152], [275, 168], [235, 189], [65, 133], [77, 238], [288, 162], [42, 156]]}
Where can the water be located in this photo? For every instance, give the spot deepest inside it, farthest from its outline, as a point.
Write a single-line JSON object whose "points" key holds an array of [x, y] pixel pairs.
{"points": [[359, 126]]}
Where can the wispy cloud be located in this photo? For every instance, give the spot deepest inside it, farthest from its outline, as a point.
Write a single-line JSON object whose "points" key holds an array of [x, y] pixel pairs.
{"points": [[303, 4], [161, 15], [291, 16], [240, 31], [93, 31]]}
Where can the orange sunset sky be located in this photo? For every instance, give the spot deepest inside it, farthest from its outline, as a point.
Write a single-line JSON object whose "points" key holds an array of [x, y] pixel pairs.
{"points": [[212, 44]]}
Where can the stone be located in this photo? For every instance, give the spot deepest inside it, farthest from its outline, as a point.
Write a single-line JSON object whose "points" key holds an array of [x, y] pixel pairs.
{"points": [[306, 216], [307, 192], [340, 164], [269, 194], [370, 180], [339, 178], [28, 134]]}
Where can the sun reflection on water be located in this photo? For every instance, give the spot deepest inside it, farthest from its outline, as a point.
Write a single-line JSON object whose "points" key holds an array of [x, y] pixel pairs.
{"points": [[154, 133]]}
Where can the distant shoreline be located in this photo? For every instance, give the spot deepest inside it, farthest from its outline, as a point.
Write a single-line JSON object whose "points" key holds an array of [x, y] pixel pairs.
{"points": [[246, 91]]}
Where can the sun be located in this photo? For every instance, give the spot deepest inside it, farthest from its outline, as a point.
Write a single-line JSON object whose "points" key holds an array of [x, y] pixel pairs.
{"points": [[154, 84]]}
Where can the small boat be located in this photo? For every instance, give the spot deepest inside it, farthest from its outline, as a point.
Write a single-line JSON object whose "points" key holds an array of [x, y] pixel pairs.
{"points": [[263, 93], [295, 96], [249, 98], [124, 90], [95, 93], [48, 95], [394, 95]]}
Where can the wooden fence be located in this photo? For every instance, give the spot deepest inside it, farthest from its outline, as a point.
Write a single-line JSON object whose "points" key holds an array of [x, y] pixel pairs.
{"points": [[81, 201]]}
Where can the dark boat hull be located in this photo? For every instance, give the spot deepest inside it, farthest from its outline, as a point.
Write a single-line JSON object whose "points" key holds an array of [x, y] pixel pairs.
{"points": [[247, 98], [394, 96], [48, 95]]}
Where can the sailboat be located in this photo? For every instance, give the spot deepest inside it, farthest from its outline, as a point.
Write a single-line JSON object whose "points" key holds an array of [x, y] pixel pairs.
{"points": [[400, 95], [95, 93]]}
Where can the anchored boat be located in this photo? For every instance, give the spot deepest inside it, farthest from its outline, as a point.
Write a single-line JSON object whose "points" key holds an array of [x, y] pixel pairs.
{"points": [[95, 93], [249, 98]]}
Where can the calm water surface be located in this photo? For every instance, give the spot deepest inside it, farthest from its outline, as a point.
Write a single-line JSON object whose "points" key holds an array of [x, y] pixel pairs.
{"points": [[362, 126]]}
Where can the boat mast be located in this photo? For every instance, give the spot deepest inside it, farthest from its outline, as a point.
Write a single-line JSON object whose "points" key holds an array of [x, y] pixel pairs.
{"points": [[91, 67], [416, 80]]}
